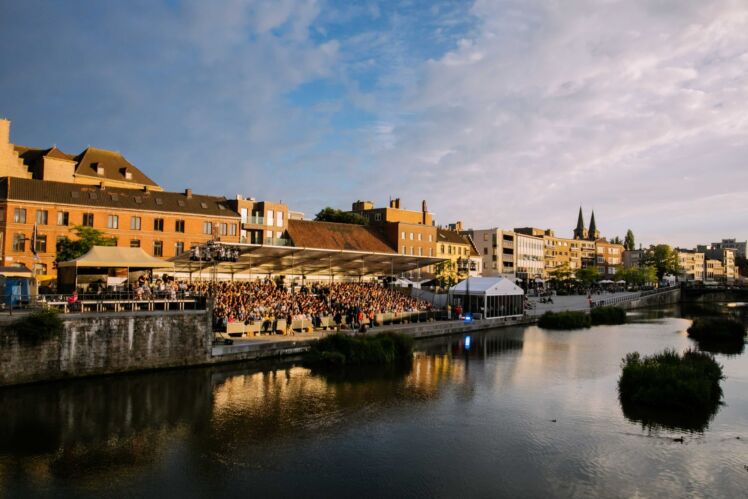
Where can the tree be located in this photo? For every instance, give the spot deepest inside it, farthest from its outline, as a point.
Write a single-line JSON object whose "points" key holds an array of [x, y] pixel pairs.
{"points": [[446, 273], [86, 238], [638, 276], [587, 275], [616, 240], [329, 214], [663, 258], [629, 243]]}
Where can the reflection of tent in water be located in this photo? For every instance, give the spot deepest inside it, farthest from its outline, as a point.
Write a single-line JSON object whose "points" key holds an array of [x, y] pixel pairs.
{"points": [[15, 285], [490, 296], [108, 266]]}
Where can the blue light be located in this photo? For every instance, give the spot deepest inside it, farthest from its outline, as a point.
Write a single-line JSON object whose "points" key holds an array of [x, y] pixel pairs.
{"points": [[468, 318], [467, 342]]}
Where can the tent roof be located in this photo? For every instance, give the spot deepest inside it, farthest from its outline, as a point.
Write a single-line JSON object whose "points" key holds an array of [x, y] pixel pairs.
{"points": [[113, 256], [21, 271], [491, 286]]}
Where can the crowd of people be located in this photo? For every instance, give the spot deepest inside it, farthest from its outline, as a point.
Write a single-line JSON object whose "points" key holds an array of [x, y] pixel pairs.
{"points": [[264, 299]]}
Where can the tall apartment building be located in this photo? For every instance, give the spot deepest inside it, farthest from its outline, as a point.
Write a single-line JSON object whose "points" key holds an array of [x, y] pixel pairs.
{"points": [[409, 232], [496, 249], [262, 222], [609, 258], [691, 265], [720, 264], [633, 258], [529, 257]]}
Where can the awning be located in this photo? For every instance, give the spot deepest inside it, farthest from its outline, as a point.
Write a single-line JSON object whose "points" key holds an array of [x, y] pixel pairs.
{"points": [[113, 256], [21, 271], [284, 260]]}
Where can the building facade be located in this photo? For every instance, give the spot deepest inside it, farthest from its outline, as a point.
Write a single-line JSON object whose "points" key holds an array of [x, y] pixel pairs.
{"points": [[459, 249], [691, 265], [496, 249], [609, 258]]}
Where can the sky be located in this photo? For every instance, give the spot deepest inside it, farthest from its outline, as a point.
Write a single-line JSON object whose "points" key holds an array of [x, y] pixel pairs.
{"points": [[501, 113]]}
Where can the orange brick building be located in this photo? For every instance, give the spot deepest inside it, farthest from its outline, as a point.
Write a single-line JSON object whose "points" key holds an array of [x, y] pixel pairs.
{"points": [[55, 191]]}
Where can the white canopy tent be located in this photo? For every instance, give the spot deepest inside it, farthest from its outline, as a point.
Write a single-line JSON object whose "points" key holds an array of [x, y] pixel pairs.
{"points": [[490, 296]]}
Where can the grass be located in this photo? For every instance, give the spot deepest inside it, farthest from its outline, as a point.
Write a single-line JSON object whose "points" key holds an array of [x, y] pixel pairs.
{"points": [[564, 320], [343, 350], [607, 316], [38, 326], [667, 380]]}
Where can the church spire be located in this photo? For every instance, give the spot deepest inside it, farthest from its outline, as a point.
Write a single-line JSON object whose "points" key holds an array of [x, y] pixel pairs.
{"points": [[593, 227], [579, 231]]}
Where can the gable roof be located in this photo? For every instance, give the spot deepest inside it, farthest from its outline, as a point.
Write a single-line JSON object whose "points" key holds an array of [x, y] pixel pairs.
{"points": [[337, 236], [47, 191], [115, 256], [115, 166]]}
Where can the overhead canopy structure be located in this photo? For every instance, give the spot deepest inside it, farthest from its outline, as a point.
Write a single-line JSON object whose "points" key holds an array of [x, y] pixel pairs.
{"points": [[294, 260], [113, 256], [490, 296], [21, 271]]}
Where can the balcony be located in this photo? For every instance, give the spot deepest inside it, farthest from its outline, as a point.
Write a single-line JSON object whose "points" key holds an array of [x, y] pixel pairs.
{"points": [[276, 241], [255, 220]]}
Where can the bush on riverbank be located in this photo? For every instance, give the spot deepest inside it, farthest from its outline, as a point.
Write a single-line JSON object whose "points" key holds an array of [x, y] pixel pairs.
{"points": [[341, 349], [667, 380], [38, 326], [607, 316], [717, 330], [564, 320]]}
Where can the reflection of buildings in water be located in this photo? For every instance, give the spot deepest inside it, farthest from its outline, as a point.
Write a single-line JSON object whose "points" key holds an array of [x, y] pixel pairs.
{"points": [[97, 430], [432, 371]]}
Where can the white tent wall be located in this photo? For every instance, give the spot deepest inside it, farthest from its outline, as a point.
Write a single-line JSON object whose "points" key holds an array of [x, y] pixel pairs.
{"points": [[490, 296]]}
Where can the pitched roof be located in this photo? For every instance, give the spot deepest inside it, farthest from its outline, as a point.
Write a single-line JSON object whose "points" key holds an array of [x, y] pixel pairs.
{"points": [[46, 191], [337, 236], [115, 166], [491, 286], [450, 236]]}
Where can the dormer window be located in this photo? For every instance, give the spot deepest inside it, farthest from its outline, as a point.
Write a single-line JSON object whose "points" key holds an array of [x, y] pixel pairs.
{"points": [[99, 169], [126, 173]]}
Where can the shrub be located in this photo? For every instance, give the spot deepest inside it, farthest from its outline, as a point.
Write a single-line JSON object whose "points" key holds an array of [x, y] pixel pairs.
{"points": [[340, 349], [716, 329], [38, 326], [607, 315], [667, 380], [564, 320]]}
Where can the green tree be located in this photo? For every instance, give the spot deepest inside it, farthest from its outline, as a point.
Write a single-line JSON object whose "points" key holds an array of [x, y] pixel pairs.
{"points": [[587, 275], [616, 240], [446, 273], [663, 258], [86, 238], [629, 242], [329, 214], [638, 276]]}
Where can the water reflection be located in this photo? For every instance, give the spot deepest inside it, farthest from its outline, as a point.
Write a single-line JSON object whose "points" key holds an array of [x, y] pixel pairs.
{"points": [[517, 411], [658, 419]]}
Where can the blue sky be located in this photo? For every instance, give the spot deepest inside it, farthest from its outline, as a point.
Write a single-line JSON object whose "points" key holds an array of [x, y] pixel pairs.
{"points": [[499, 113]]}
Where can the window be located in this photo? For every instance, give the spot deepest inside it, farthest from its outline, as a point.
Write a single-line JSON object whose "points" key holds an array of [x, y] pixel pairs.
{"points": [[430, 238], [232, 229], [19, 215], [404, 248], [178, 248], [278, 235], [40, 268], [411, 236], [279, 221], [99, 170], [19, 242], [403, 236], [270, 217], [63, 218], [135, 243], [243, 213], [2, 215], [135, 223], [88, 219], [223, 229], [158, 248], [207, 228], [41, 243], [179, 226], [158, 224], [419, 236], [41, 217], [112, 222]]}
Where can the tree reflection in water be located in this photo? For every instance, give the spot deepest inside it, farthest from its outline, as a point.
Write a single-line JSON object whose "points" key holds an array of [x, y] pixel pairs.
{"points": [[658, 419]]}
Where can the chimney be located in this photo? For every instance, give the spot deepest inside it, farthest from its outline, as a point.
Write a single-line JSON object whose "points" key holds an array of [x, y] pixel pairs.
{"points": [[4, 131], [188, 193], [397, 203], [424, 211]]}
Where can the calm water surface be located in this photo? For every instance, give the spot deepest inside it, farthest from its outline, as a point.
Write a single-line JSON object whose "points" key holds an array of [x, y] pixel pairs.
{"points": [[519, 412]]}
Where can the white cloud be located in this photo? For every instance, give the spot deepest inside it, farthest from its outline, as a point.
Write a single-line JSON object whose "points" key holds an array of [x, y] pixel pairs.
{"points": [[549, 104]]}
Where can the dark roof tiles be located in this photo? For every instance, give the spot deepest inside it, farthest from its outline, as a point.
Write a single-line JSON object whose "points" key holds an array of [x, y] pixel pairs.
{"points": [[22, 189], [336, 236]]}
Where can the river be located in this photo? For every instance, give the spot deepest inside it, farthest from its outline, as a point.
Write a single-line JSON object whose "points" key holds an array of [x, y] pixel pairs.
{"points": [[520, 412]]}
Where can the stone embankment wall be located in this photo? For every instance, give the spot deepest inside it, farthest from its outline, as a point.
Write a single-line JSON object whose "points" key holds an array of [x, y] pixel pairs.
{"points": [[663, 299], [107, 344]]}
